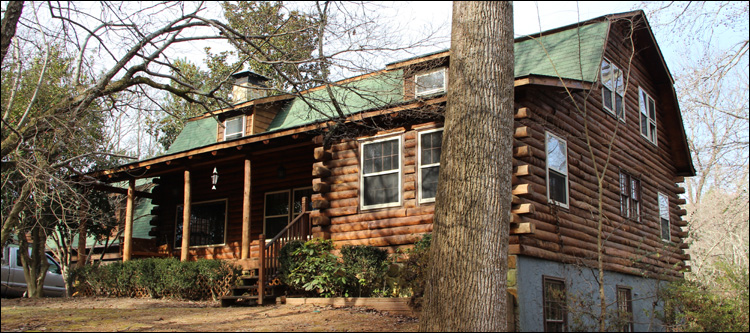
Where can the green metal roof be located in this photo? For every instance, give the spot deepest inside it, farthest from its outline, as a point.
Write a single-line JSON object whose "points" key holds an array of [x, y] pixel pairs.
{"points": [[563, 51], [376, 91], [195, 134], [573, 53]]}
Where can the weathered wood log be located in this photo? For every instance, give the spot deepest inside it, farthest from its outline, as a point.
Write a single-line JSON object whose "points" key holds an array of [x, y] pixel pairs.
{"points": [[321, 171], [320, 154], [521, 228], [369, 234], [320, 204], [522, 132], [526, 208], [321, 187], [383, 223], [522, 113]]}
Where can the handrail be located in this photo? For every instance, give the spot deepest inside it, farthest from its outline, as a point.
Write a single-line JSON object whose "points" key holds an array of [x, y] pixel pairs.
{"points": [[268, 254]]}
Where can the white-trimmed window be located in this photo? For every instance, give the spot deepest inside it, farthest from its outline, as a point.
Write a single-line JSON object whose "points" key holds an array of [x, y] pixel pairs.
{"points": [[430, 143], [613, 89], [664, 217], [430, 83], [208, 221], [234, 128], [381, 173], [648, 115], [557, 169]]}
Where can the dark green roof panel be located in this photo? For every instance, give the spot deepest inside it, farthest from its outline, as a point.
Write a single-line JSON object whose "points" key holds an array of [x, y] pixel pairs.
{"points": [[195, 134], [557, 54]]}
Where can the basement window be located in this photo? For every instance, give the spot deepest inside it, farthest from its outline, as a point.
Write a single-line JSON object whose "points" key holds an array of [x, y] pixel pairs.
{"points": [[625, 308], [381, 173], [557, 170], [613, 89], [430, 145], [430, 83], [234, 128], [554, 304]]}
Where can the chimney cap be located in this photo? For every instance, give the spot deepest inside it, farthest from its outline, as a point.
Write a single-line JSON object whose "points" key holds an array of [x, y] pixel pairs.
{"points": [[250, 74]]}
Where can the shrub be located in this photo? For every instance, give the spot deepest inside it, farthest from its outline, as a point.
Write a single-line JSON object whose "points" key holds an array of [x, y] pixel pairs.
{"points": [[694, 306], [154, 277], [366, 268], [313, 269], [413, 273]]}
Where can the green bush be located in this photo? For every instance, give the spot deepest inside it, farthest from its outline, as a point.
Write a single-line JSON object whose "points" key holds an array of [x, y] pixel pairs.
{"points": [[313, 269], [697, 307], [157, 278], [413, 272], [365, 268]]}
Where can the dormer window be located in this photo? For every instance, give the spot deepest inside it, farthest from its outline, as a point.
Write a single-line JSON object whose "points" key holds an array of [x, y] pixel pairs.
{"points": [[234, 128], [430, 83]]}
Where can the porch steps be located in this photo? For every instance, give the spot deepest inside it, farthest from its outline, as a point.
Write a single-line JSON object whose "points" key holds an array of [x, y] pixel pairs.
{"points": [[246, 293]]}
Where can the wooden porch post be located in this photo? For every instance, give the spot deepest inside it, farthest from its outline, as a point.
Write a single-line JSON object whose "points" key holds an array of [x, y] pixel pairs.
{"points": [[127, 246], [186, 219], [246, 212]]}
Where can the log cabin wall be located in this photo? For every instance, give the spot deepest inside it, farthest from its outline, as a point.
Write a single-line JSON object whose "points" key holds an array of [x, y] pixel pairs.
{"points": [[296, 161], [569, 234]]}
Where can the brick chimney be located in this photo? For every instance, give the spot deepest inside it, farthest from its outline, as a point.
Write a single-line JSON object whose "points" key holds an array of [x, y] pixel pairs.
{"points": [[248, 86]]}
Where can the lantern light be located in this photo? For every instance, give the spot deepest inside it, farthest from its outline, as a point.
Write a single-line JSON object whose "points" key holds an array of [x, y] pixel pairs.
{"points": [[214, 179]]}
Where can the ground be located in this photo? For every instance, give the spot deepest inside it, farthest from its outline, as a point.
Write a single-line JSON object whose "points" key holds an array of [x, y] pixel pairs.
{"points": [[142, 314]]}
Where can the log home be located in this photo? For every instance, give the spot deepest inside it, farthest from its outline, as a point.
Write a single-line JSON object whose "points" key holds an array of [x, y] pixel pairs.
{"points": [[595, 98]]}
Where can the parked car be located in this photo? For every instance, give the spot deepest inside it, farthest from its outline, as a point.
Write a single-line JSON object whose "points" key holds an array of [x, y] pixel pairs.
{"points": [[14, 282]]}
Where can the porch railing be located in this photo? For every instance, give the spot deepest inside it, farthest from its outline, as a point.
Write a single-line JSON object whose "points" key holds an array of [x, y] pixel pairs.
{"points": [[268, 256]]}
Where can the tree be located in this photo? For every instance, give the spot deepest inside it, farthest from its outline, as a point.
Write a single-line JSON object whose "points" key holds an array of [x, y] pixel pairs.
{"points": [[466, 288], [712, 84]]}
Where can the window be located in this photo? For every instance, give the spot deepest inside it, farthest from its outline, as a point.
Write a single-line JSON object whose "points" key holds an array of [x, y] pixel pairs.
{"points": [[234, 128], [648, 115], [613, 88], [430, 83], [557, 170], [276, 212], [207, 223], [664, 216], [625, 308], [630, 197], [554, 304], [430, 143], [381, 173]]}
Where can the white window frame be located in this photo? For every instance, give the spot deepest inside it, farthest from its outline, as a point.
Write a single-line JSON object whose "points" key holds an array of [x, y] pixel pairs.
{"points": [[614, 91], [421, 166], [362, 175], [663, 203], [565, 173], [241, 132], [417, 93], [644, 112], [179, 215]]}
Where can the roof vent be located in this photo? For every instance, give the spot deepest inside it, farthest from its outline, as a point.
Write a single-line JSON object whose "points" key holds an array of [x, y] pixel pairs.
{"points": [[248, 86]]}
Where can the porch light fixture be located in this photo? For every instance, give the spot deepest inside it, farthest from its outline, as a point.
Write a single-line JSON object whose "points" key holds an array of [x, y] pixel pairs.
{"points": [[214, 179], [281, 172]]}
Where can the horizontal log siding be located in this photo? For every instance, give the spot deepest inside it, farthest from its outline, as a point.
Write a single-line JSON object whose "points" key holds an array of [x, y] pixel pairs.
{"points": [[569, 235], [389, 228]]}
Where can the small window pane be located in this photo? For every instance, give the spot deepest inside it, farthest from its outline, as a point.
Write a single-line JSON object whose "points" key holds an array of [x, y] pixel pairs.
{"points": [[381, 189], [556, 155], [233, 128], [207, 222], [277, 204], [430, 83], [557, 187], [607, 98], [430, 182], [431, 145]]}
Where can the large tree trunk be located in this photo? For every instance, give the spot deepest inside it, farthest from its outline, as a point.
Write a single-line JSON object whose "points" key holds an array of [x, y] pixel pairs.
{"points": [[466, 287]]}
